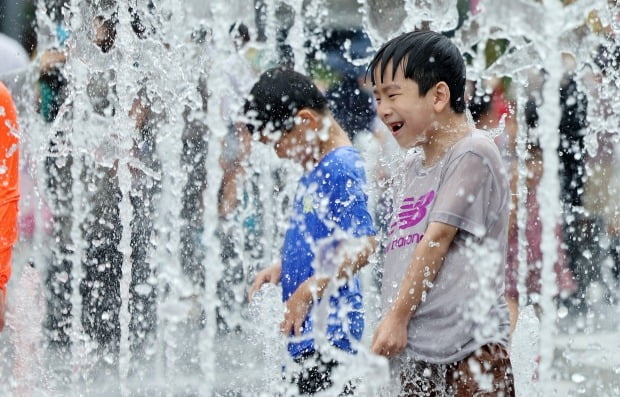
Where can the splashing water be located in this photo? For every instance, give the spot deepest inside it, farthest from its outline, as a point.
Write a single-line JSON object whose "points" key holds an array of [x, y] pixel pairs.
{"points": [[145, 280]]}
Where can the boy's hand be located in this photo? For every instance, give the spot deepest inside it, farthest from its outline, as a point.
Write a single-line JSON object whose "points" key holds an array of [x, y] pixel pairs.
{"points": [[390, 337], [268, 275], [297, 307]]}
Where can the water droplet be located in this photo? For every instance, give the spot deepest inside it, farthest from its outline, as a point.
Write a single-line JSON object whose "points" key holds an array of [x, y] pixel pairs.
{"points": [[143, 289], [63, 277], [578, 378], [562, 312]]}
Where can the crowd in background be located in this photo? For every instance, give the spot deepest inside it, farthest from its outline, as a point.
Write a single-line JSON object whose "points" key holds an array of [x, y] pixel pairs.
{"points": [[588, 234]]}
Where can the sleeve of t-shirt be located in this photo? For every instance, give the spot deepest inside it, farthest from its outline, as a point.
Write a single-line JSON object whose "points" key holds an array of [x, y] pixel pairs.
{"points": [[463, 198], [349, 205]]}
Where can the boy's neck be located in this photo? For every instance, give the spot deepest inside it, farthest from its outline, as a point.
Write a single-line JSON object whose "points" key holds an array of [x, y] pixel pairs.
{"points": [[440, 140], [336, 137]]}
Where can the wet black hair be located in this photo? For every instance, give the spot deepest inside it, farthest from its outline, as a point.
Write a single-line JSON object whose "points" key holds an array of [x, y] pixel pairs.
{"points": [[277, 97], [531, 120], [138, 24], [607, 58], [241, 31], [479, 105], [531, 112], [109, 25], [427, 58]]}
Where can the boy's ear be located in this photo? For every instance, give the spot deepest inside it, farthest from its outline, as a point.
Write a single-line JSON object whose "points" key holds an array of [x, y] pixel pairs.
{"points": [[442, 96], [309, 119]]}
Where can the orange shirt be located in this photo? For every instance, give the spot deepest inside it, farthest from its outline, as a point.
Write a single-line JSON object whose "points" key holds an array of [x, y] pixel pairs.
{"points": [[9, 177]]}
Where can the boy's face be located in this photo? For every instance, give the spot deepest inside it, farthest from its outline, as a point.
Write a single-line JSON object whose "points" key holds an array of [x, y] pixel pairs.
{"points": [[400, 106], [292, 144]]}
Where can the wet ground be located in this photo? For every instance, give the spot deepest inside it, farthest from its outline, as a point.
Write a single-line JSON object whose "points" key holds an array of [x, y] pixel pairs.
{"points": [[246, 362]]}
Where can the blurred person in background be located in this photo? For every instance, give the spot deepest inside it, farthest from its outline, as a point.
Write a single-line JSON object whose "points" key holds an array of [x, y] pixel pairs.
{"points": [[350, 100], [533, 231], [53, 90], [144, 197], [579, 228], [9, 190], [22, 349], [602, 163], [240, 207], [14, 60]]}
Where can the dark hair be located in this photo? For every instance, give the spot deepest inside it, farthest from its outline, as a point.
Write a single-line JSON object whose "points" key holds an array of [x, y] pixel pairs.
{"points": [[109, 27], [426, 57], [531, 112], [137, 25], [242, 31], [479, 105], [277, 97], [607, 58], [351, 106]]}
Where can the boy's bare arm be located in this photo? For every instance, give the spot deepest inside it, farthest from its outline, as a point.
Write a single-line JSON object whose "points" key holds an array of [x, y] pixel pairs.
{"points": [[390, 337], [232, 165], [299, 303], [228, 194], [271, 275], [51, 58]]}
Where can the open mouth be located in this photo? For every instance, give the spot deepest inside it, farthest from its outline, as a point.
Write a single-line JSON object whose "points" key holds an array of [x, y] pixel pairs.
{"points": [[396, 126]]}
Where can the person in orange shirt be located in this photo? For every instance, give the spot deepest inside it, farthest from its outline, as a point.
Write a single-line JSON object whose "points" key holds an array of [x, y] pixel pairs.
{"points": [[9, 190]]}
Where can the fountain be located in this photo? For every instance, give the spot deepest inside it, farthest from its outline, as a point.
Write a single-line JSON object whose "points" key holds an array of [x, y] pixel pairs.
{"points": [[139, 277]]}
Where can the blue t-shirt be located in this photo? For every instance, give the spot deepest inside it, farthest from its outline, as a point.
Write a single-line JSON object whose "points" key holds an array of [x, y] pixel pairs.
{"points": [[330, 205]]}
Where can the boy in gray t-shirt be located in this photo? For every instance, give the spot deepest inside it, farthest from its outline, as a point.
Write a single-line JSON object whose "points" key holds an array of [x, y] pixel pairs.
{"points": [[443, 283]]}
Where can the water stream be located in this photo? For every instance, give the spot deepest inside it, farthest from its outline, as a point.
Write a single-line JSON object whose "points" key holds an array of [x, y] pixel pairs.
{"points": [[138, 280]]}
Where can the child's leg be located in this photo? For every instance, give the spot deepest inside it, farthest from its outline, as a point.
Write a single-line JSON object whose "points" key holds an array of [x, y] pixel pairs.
{"points": [[315, 375], [487, 372], [422, 379]]}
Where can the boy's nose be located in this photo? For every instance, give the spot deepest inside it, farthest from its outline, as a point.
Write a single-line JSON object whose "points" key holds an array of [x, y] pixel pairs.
{"points": [[383, 110]]}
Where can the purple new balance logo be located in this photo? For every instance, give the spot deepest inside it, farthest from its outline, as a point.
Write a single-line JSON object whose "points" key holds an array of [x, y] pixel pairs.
{"points": [[412, 212]]}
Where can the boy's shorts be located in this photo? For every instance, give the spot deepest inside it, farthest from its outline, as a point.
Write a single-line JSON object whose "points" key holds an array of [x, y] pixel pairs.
{"points": [[316, 375], [486, 372]]}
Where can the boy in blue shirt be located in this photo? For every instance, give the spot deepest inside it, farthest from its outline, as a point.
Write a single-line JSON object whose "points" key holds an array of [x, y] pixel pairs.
{"points": [[330, 234]]}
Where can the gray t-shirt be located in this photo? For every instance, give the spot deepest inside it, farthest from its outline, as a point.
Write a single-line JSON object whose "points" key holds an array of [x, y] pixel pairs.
{"points": [[465, 307]]}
